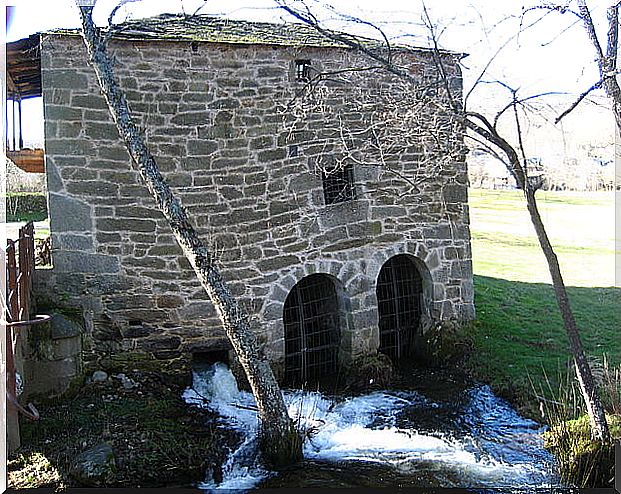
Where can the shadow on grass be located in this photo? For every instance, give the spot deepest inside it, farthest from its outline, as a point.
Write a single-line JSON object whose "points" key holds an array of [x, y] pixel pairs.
{"points": [[519, 336]]}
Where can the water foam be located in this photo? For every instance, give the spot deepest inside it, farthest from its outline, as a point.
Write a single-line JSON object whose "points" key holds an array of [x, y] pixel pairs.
{"points": [[367, 428]]}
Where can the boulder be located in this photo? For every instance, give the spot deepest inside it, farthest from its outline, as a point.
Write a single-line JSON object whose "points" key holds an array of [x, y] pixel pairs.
{"points": [[99, 377], [94, 467]]}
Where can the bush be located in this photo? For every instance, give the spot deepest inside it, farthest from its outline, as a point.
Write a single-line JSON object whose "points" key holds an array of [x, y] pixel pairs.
{"points": [[369, 372], [582, 461], [26, 206]]}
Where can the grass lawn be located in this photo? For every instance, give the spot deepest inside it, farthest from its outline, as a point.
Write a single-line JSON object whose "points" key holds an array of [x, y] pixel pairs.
{"points": [[518, 333], [580, 226]]}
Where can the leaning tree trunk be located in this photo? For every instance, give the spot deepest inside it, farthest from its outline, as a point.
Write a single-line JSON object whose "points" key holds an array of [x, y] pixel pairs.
{"points": [[279, 440], [595, 410]]}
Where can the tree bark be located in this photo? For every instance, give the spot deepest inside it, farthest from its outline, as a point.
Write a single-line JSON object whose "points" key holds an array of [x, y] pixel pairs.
{"points": [[606, 61], [279, 441], [595, 410]]}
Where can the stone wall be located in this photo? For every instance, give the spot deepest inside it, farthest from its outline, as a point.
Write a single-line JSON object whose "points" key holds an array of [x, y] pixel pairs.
{"points": [[221, 123]]}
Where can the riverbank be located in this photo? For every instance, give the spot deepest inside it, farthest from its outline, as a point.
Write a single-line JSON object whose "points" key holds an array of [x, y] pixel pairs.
{"points": [[157, 439], [519, 344], [520, 347]]}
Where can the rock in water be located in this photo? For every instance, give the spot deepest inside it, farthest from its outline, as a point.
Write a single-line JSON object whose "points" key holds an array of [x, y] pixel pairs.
{"points": [[95, 466], [99, 377]]}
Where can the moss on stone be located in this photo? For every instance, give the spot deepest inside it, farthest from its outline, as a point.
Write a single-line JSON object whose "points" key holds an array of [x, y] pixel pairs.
{"points": [[583, 461]]}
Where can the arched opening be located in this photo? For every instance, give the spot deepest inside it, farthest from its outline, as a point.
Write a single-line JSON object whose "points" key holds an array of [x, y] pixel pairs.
{"points": [[312, 330], [400, 305]]}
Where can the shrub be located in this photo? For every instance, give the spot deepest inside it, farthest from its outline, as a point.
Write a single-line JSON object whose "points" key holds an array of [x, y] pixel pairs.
{"points": [[370, 372], [26, 206]]}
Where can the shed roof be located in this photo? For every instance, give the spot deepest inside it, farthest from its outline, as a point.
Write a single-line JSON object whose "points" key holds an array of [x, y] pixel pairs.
{"points": [[23, 67]]}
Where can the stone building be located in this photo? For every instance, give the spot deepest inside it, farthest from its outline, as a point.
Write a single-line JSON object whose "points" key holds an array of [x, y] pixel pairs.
{"points": [[334, 254]]}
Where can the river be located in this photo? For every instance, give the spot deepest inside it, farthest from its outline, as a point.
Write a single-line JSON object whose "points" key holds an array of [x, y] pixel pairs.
{"points": [[434, 431]]}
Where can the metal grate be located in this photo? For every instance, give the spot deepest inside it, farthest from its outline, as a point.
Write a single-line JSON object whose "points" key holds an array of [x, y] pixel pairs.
{"points": [[311, 321], [338, 183], [302, 70], [399, 300]]}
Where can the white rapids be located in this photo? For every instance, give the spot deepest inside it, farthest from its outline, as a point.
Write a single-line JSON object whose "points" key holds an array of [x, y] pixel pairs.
{"points": [[370, 429]]}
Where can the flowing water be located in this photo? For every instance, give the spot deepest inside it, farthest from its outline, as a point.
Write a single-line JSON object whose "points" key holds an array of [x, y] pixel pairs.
{"points": [[435, 433]]}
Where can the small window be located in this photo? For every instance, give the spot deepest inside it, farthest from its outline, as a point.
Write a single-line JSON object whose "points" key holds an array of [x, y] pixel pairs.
{"points": [[338, 183], [302, 70]]}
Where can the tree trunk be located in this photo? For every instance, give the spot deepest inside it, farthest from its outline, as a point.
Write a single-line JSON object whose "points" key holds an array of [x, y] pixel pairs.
{"points": [[280, 442], [595, 410]]}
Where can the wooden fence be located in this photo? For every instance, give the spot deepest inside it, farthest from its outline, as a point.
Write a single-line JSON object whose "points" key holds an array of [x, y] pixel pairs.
{"points": [[20, 264]]}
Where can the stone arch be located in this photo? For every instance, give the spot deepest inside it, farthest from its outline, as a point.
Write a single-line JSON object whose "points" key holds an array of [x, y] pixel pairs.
{"points": [[314, 315], [416, 281], [272, 331]]}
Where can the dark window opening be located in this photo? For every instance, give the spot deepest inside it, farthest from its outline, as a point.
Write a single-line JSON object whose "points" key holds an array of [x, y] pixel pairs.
{"points": [[338, 183], [302, 70], [311, 319], [194, 46], [399, 303], [208, 358]]}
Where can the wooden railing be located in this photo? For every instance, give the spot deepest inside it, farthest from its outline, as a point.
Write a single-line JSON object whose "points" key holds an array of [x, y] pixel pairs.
{"points": [[20, 271], [20, 264]]}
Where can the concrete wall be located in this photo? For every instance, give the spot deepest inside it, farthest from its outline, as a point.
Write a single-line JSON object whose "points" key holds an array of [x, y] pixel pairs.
{"points": [[246, 170]]}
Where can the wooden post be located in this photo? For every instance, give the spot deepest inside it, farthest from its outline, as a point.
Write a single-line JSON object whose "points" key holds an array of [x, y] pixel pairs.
{"points": [[12, 418], [19, 109], [6, 123], [13, 115], [20, 266]]}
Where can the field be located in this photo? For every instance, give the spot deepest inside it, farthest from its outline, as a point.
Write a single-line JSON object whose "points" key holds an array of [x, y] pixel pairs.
{"points": [[518, 334], [580, 226]]}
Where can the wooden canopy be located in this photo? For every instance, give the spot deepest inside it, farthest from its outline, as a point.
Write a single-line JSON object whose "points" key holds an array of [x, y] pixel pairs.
{"points": [[23, 68]]}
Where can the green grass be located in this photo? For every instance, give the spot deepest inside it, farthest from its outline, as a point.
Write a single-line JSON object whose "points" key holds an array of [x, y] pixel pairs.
{"points": [[518, 335], [580, 226]]}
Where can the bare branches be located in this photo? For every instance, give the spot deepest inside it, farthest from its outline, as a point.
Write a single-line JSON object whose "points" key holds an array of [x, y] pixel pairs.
{"points": [[589, 26], [349, 41], [595, 86], [606, 61], [114, 11]]}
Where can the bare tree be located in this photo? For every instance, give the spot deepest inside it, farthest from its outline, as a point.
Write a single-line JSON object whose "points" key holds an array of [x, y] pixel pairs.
{"points": [[485, 132], [279, 440], [606, 59]]}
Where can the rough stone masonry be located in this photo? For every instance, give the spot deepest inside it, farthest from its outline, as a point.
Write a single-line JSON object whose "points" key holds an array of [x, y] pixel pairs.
{"points": [[220, 120]]}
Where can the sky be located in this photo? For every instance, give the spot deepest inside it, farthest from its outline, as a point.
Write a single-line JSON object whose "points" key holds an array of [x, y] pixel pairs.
{"points": [[541, 52]]}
